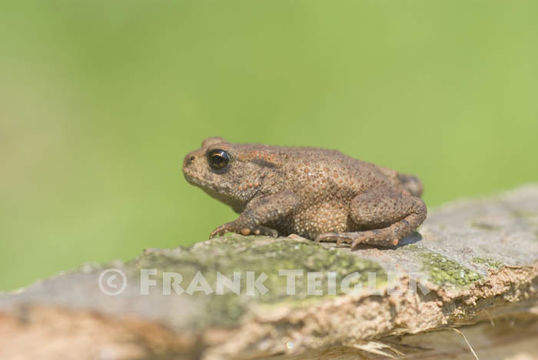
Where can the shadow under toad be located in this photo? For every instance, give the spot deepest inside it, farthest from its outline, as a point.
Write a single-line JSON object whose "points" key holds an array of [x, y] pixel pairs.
{"points": [[408, 240]]}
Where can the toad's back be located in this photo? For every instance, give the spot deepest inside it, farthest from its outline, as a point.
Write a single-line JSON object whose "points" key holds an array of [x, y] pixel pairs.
{"points": [[321, 173]]}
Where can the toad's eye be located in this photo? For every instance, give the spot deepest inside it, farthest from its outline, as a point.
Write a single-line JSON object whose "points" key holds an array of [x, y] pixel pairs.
{"points": [[218, 159]]}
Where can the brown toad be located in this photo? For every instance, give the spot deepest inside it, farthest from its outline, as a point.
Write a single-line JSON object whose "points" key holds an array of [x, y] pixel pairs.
{"points": [[316, 193]]}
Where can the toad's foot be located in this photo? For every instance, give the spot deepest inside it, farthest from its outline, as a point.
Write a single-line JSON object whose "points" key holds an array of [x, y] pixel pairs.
{"points": [[296, 237], [379, 238], [243, 230]]}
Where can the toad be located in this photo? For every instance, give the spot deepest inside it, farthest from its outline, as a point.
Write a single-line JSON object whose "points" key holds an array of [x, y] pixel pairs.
{"points": [[318, 194]]}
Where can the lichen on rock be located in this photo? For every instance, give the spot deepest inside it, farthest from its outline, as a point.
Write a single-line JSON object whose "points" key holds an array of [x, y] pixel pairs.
{"points": [[261, 256], [445, 271]]}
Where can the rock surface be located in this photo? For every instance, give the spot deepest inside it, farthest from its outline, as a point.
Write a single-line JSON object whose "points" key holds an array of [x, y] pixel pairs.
{"points": [[472, 262]]}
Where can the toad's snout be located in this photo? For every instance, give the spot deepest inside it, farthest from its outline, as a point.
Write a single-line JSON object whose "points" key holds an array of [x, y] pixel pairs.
{"points": [[189, 166], [189, 160]]}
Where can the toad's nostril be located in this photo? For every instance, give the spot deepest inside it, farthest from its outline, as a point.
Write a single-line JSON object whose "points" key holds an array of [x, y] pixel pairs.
{"points": [[189, 159]]}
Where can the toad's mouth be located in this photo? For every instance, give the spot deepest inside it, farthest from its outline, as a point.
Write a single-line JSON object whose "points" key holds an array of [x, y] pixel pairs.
{"points": [[207, 185], [200, 182], [221, 193]]}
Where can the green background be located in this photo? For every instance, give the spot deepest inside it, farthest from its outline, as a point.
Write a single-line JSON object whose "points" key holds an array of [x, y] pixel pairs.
{"points": [[100, 100]]}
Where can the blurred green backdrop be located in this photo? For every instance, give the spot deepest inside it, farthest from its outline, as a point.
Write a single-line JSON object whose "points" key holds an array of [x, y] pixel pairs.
{"points": [[100, 100]]}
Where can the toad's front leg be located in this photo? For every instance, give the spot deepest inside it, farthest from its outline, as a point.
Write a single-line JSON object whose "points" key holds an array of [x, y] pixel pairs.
{"points": [[259, 212]]}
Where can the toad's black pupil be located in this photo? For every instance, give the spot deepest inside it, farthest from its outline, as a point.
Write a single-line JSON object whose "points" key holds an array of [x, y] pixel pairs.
{"points": [[218, 159]]}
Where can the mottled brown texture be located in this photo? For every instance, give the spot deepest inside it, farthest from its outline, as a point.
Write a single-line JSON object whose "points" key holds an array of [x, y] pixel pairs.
{"points": [[315, 193]]}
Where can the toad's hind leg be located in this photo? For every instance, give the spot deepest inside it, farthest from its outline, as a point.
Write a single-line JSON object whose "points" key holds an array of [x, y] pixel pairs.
{"points": [[386, 216]]}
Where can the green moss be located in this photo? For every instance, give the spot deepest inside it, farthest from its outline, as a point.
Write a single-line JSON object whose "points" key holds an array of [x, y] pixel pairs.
{"points": [[488, 261], [524, 214], [446, 271], [235, 253], [485, 226]]}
